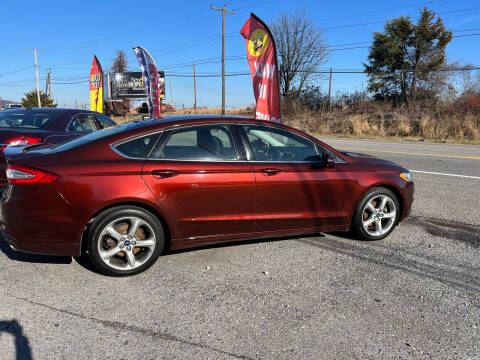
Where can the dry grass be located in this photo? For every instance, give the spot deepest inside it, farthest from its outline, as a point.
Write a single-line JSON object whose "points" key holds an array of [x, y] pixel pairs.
{"points": [[374, 120], [386, 122]]}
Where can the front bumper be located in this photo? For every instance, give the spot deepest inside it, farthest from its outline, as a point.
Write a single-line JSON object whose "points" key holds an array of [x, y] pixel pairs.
{"points": [[408, 196]]}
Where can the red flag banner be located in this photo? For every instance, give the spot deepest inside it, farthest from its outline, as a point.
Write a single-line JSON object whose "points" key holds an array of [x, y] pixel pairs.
{"points": [[262, 60]]}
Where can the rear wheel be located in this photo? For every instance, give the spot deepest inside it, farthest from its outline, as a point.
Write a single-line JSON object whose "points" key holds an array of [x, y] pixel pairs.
{"points": [[376, 214], [125, 241]]}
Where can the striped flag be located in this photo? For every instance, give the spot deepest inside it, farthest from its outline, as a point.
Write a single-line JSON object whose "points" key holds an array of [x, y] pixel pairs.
{"points": [[151, 80]]}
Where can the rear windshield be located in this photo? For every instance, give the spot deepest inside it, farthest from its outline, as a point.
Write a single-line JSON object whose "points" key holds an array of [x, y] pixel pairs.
{"points": [[27, 119], [94, 136]]}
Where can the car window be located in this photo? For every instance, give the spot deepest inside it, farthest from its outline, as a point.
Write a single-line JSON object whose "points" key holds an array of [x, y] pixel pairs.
{"points": [[273, 144], [27, 119], [83, 123], [139, 147], [104, 121], [204, 142]]}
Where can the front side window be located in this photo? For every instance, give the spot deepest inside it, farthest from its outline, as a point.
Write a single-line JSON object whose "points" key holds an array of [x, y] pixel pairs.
{"points": [[205, 142], [83, 123], [273, 144]]}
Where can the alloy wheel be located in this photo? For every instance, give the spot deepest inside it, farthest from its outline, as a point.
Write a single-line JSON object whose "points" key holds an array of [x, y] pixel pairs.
{"points": [[378, 215], [126, 243]]}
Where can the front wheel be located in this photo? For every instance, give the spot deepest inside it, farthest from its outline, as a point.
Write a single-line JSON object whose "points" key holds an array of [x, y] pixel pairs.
{"points": [[376, 214], [125, 241]]}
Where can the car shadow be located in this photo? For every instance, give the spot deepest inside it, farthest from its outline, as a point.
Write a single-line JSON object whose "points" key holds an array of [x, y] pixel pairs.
{"points": [[242, 242], [32, 258], [22, 345]]}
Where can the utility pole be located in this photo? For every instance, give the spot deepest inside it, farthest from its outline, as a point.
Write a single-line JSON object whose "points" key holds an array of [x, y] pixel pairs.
{"points": [[194, 91], [36, 77], [224, 11], [330, 91], [171, 94]]}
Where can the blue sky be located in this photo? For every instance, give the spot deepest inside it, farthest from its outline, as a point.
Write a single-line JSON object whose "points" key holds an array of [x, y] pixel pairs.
{"points": [[177, 34]]}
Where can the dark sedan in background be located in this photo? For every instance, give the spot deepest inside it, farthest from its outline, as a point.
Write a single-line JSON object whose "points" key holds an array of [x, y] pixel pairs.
{"points": [[126, 193], [45, 125]]}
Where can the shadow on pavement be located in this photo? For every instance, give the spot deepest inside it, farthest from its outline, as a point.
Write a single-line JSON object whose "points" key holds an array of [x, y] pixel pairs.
{"points": [[409, 261], [242, 242], [32, 258], [22, 345]]}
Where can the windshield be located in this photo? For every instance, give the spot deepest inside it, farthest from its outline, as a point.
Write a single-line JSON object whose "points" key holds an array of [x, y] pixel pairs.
{"points": [[27, 119], [93, 136]]}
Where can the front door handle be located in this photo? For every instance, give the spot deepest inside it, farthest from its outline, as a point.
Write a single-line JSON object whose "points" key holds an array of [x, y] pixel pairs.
{"points": [[161, 174], [271, 171]]}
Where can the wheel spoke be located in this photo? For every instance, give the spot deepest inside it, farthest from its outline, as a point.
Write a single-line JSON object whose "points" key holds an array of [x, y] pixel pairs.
{"points": [[371, 207], [131, 259], [113, 233], [149, 243], [369, 221], [390, 215], [108, 254], [384, 203], [379, 228], [134, 227]]}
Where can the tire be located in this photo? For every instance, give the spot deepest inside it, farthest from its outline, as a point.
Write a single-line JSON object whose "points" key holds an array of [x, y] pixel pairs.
{"points": [[371, 221], [135, 233]]}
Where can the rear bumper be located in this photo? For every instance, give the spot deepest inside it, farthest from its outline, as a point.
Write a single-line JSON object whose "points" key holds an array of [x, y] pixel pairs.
{"points": [[29, 224]]}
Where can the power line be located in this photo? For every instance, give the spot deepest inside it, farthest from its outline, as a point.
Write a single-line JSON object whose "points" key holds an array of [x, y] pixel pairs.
{"points": [[16, 71], [383, 21]]}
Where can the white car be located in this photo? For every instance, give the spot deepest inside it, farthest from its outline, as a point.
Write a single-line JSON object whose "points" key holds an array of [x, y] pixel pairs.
{"points": [[12, 106]]}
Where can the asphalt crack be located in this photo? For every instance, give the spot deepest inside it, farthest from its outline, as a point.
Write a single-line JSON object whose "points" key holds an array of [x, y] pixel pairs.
{"points": [[122, 326]]}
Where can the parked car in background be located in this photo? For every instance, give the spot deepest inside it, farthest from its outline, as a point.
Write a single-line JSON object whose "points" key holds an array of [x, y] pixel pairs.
{"points": [[45, 125], [12, 106], [126, 193]]}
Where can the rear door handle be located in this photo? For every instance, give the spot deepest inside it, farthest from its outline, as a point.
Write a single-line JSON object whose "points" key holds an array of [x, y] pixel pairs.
{"points": [[161, 174], [271, 171]]}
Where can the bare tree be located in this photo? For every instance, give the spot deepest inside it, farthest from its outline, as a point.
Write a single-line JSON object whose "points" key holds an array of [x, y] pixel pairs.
{"points": [[120, 62], [300, 48]]}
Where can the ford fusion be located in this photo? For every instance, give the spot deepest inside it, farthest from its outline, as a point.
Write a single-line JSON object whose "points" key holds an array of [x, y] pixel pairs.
{"points": [[125, 194]]}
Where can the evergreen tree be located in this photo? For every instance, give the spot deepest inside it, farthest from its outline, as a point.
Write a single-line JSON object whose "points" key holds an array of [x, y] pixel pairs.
{"points": [[30, 100], [404, 58]]}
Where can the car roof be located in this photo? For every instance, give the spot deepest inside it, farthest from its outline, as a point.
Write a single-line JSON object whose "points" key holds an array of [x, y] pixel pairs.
{"points": [[47, 109]]}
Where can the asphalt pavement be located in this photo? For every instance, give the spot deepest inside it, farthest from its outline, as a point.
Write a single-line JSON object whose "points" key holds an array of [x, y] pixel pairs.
{"points": [[413, 295]]}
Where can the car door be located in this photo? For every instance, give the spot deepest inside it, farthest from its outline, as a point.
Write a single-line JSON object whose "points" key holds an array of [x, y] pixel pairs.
{"points": [[200, 182], [295, 188]]}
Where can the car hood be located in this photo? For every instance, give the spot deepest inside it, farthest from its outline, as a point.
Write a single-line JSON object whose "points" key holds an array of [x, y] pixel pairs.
{"points": [[369, 160]]}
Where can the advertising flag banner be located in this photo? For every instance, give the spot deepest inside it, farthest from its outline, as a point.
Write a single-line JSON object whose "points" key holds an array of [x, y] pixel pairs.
{"points": [[151, 80], [96, 86], [262, 60]]}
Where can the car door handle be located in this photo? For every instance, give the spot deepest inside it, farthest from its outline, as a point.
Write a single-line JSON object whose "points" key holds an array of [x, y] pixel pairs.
{"points": [[161, 174], [271, 171]]}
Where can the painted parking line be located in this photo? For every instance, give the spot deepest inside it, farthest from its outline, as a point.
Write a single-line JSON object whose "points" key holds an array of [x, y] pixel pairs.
{"points": [[444, 174], [471, 157]]}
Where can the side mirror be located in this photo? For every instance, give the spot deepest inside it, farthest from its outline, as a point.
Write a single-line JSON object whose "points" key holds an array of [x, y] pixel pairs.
{"points": [[328, 160]]}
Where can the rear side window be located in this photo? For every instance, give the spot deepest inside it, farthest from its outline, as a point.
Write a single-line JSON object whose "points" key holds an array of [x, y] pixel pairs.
{"points": [[204, 142], [27, 119], [104, 121], [138, 148], [83, 123]]}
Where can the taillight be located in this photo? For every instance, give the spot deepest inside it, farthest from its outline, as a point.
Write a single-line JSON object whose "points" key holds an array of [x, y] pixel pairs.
{"points": [[17, 174], [21, 140]]}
